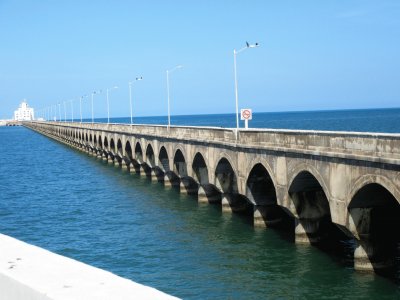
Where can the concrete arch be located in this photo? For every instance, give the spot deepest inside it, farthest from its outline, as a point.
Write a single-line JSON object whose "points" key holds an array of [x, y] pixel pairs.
{"points": [[120, 150], [226, 156], [150, 156], [303, 167], [265, 163], [200, 169], [163, 160], [377, 179], [180, 165], [138, 152], [226, 176], [128, 150], [260, 186], [112, 146]]}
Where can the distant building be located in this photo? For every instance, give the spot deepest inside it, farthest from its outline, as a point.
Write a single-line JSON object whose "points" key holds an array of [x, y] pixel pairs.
{"points": [[24, 112]]}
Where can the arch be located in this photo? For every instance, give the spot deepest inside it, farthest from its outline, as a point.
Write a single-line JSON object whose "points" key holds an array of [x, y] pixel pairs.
{"points": [[138, 152], [87, 138], [260, 188], [100, 142], [90, 138], [128, 150], [105, 143], [150, 158], [112, 146], [180, 167], [308, 196], [376, 179], [225, 177], [200, 169], [311, 170], [119, 147], [374, 220], [95, 140], [163, 159]]}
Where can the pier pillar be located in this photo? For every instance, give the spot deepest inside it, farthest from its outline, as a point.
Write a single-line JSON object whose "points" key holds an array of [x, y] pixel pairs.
{"points": [[188, 186], [306, 231], [233, 203], [267, 215], [171, 180], [104, 157], [370, 255], [208, 194], [110, 159]]}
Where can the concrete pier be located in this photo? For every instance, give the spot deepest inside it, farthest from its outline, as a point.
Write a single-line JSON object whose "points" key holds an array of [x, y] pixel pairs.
{"points": [[29, 272], [319, 180]]}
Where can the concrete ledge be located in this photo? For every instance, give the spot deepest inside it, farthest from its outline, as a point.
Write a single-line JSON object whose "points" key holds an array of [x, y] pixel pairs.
{"points": [[30, 272]]}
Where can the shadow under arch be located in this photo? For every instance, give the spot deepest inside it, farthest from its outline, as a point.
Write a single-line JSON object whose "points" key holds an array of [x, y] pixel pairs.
{"points": [[226, 182], [260, 190], [187, 184], [207, 192], [310, 207], [374, 220]]}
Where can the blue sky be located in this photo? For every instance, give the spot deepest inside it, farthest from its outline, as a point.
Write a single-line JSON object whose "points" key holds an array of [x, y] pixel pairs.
{"points": [[331, 54]]}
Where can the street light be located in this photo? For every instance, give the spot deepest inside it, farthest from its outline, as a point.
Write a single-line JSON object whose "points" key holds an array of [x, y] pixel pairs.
{"points": [[108, 104], [235, 53], [130, 95], [65, 112], [169, 112], [80, 106], [93, 93], [72, 109], [59, 111]]}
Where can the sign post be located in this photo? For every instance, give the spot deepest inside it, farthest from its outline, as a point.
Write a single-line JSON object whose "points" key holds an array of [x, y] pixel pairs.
{"points": [[246, 114]]}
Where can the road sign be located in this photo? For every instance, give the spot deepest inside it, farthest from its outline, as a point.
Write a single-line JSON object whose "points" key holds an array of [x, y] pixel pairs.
{"points": [[246, 114]]}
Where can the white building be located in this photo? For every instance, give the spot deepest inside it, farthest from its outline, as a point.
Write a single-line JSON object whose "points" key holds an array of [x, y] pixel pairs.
{"points": [[24, 112]]}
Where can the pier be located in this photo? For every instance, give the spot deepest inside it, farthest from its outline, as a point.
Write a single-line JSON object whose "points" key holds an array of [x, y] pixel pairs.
{"points": [[316, 182]]}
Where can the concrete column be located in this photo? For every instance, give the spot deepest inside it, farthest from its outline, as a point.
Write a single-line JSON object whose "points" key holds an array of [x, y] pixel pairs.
{"points": [[233, 203], [188, 186], [110, 160], [208, 195], [170, 180], [370, 255], [125, 165], [306, 231], [267, 215], [104, 157]]}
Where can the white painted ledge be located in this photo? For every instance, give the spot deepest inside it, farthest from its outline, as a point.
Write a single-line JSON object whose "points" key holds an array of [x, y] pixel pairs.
{"points": [[28, 272]]}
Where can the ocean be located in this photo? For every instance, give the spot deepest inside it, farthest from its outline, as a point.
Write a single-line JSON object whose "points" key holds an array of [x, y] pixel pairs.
{"points": [[68, 202]]}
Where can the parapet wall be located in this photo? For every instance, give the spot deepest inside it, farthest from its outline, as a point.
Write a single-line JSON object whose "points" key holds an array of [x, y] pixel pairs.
{"points": [[29, 272]]}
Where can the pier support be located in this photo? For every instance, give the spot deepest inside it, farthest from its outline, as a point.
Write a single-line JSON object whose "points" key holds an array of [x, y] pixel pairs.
{"points": [[234, 203], [208, 194], [370, 255], [267, 215], [171, 180], [188, 186], [307, 231]]}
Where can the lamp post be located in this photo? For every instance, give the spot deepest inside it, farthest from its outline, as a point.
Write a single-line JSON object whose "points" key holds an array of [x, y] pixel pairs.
{"points": [[93, 93], [130, 95], [59, 112], [65, 111], [108, 104], [169, 111], [80, 106], [235, 53], [72, 109]]}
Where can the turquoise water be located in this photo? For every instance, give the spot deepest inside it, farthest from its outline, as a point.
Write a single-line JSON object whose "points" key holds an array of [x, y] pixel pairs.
{"points": [[63, 200]]}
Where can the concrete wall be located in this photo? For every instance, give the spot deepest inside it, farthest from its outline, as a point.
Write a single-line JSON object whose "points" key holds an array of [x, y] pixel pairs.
{"points": [[28, 272]]}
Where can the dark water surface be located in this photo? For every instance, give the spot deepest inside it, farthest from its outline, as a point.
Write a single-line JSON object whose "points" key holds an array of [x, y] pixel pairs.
{"points": [[63, 200]]}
